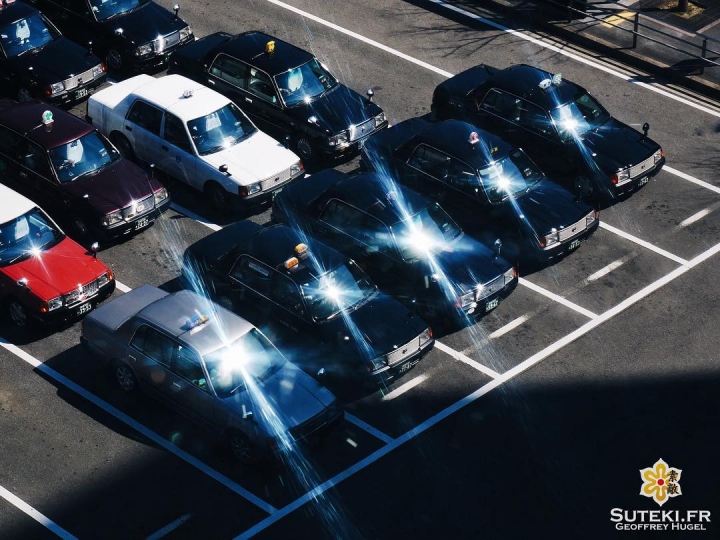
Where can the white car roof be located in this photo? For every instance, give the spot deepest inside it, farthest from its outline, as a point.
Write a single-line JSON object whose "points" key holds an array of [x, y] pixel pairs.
{"points": [[168, 93], [12, 204]]}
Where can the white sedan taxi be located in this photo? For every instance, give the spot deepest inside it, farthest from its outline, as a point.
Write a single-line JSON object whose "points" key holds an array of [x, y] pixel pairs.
{"points": [[195, 135]]}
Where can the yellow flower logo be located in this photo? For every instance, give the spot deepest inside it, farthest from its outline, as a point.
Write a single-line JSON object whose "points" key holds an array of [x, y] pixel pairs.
{"points": [[660, 482]]}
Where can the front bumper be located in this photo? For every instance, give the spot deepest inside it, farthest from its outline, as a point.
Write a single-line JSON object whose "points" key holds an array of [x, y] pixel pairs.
{"points": [[137, 224], [639, 181], [77, 94], [155, 60], [352, 147], [389, 373], [565, 247], [268, 195], [478, 309], [67, 314]]}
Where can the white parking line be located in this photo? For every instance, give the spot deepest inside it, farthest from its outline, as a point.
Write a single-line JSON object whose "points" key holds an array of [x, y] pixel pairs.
{"points": [[557, 298], [367, 427], [512, 325], [122, 287], [695, 217], [692, 179], [50, 525], [643, 243], [469, 361], [137, 426], [170, 527], [477, 394], [400, 390], [606, 270], [196, 217]]}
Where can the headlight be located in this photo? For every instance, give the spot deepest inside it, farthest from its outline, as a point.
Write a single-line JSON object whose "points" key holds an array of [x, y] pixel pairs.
{"points": [[112, 218], [98, 70], [377, 363], [620, 177], [550, 239], [143, 50], [296, 169], [426, 336], [244, 191], [104, 279], [466, 299], [658, 155], [56, 88], [185, 33], [590, 218], [55, 303], [160, 195], [380, 119], [509, 275], [339, 139]]}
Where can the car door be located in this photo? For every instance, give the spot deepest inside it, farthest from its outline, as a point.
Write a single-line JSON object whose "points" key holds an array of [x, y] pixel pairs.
{"points": [[150, 354], [142, 127], [35, 177], [248, 288], [177, 154]]}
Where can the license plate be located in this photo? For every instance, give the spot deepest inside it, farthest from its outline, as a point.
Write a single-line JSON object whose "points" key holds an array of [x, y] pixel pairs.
{"points": [[492, 304], [644, 180], [574, 244], [141, 223], [407, 366], [81, 93], [87, 306]]}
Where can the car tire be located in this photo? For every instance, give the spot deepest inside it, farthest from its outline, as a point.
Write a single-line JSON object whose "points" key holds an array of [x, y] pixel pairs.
{"points": [[242, 448], [219, 198], [114, 61], [124, 377], [80, 229], [304, 147], [16, 313], [123, 145], [24, 95]]}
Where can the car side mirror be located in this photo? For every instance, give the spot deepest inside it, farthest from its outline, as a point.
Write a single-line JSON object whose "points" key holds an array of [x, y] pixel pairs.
{"points": [[645, 128], [313, 120], [321, 372], [246, 414], [370, 94], [22, 282], [498, 247], [287, 140], [176, 8], [119, 31], [94, 248], [224, 169], [90, 50]]}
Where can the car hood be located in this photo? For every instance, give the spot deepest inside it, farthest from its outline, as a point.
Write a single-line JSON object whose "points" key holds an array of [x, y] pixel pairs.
{"points": [[58, 60], [547, 205], [617, 145], [336, 110], [58, 270], [292, 396], [114, 187], [256, 158], [144, 24]]}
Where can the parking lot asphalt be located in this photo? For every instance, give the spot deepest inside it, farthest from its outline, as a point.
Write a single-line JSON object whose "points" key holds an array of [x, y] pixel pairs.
{"points": [[532, 423]]}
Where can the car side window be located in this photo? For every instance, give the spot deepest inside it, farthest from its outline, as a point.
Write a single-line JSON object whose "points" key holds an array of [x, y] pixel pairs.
{"points": [[285, 293], [33, 157], [535, 119], [79, 7], [154, 345], [503, 104], [260, 85], [174, 133], [145, 116], [253, 274], [364, 228], [430, 161], [187, 365], [230, 70]]}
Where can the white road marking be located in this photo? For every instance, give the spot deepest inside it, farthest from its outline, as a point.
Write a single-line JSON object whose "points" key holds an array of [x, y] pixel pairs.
{"points": [[557, 298], [512, 325], [467, 360], [477, 394], [50, 525], [367, 427], [695, 217], [196, 217], [606, 270], [692, 179], [170, 527], [643, 243], [122, 287], [137, 426], [400, 390]]}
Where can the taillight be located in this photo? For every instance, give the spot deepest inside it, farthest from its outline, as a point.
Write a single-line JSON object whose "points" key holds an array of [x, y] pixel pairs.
{"points": [[542, 241], [614, 179]]}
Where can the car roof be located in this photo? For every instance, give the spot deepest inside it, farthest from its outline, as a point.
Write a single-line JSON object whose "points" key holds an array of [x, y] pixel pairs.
{"points": [[523, 80], [12, 204], [250, 48], [26, 118], [168, 93], [452, 137], [179, 314], [14, 11], [275, 245]]}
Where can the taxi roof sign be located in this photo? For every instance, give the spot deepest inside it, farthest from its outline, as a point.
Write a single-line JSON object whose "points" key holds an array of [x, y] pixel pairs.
{"points": [[47, 118], [197, 320], [270, 47], [474, 138], [292, 262], [557, 79]]}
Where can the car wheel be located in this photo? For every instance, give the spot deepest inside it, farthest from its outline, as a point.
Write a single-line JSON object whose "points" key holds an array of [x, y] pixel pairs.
{"points": [[219, 198], [124, 377], [242, 447], [17, 314], [305, 148], [114, 60], [122, 144], [80, 228], [24, 95]]}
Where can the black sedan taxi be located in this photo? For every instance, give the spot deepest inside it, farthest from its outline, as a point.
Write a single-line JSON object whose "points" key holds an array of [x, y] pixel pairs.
{"points": [[131, 35], [72, 170], [492, 188], [37, 61], [284, 89], [558, 123], [408, 244], [320, 304]]}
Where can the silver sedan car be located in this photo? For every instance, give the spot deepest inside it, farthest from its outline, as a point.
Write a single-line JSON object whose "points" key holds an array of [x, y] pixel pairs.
{"points": [[212, 366]]}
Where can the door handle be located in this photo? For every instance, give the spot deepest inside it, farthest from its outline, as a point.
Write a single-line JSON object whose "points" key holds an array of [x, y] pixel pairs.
{"points": [[210, 81], [176, 386], [248, 100], [164, 147], [128, 128], [131, 357], [23, 174]]}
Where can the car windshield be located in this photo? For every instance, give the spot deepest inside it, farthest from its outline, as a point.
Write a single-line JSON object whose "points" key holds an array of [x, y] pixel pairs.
{"points": [[251, 356], [337, 290], [86, 155], [428, 231], [26, 34], [27, 235], [579, 116], [220, 129], [304, 83], [509, 176], [106, 9]]}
